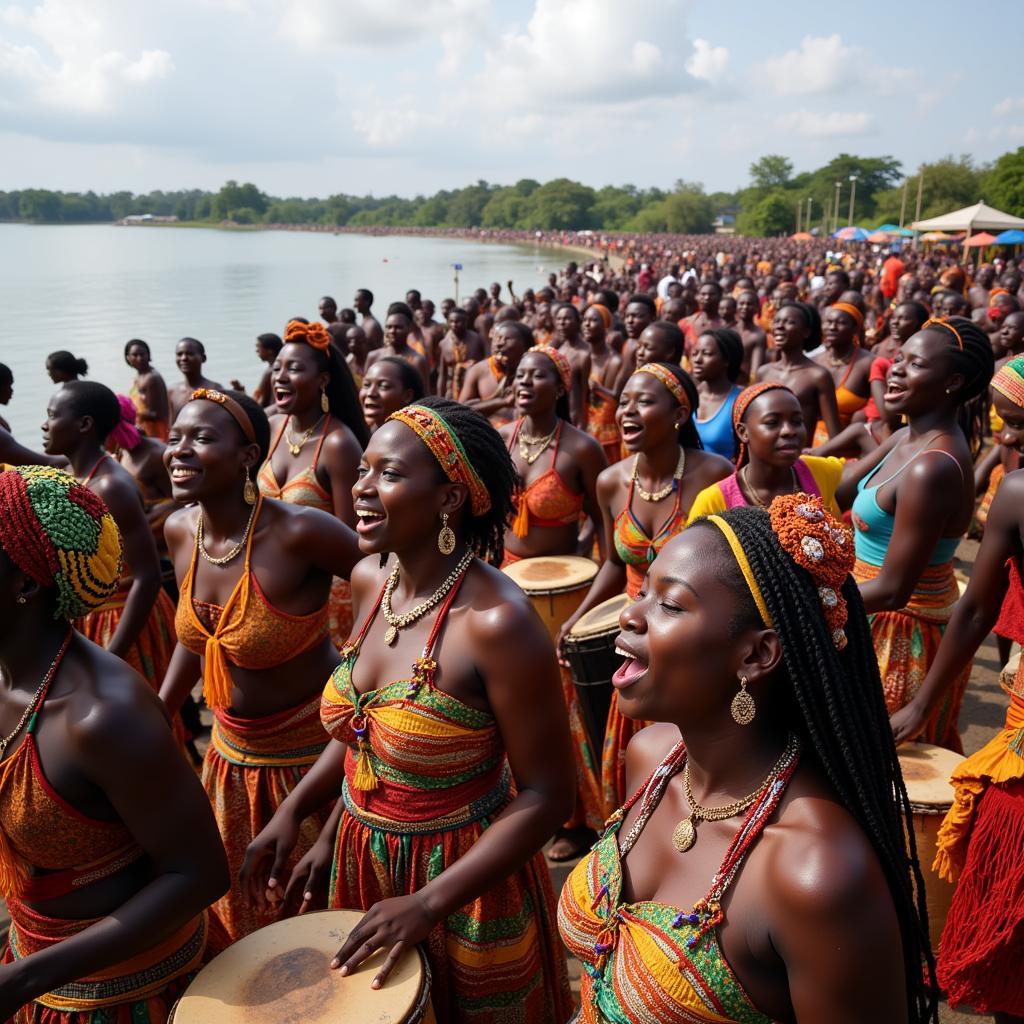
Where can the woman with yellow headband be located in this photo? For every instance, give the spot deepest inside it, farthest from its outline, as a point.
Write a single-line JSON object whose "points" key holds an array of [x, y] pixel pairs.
{"points": [[605, 366], [760, 870], [454, 775], [847, 360], [254, 576], [321, 424], [109, 853], [912, 500], [644, 502], [981, 840]]}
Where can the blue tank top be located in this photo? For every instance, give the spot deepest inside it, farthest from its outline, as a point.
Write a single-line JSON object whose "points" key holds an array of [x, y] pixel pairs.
{"points": [[873, 526], [716, 433]]}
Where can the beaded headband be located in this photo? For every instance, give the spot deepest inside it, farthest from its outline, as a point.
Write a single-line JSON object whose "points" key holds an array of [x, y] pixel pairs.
{"points": [[228, 403], [1009, 381], [447, 449], [670, 380], [743, 402], [562, 365], [315, 335], [939, 321]]}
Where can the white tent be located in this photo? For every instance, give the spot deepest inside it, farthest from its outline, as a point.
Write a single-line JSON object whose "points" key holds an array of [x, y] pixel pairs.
{"points": [[971, 218]]}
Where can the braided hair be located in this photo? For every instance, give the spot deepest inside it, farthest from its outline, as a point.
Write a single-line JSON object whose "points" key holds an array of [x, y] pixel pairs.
{"points": [[837, 707], [976, 362], [490, 458]]}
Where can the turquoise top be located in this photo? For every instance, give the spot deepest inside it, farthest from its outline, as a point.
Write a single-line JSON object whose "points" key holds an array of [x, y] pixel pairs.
{"points": [[716, 432], [873, 525]]}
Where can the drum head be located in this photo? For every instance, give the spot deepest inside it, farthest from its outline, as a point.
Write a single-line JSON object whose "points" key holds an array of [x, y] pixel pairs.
{"points": [[281, 975], [926, 771], [602, 619], [552, 573]]}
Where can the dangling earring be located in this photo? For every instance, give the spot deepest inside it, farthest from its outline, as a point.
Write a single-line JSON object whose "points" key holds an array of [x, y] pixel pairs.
{"points": [[249, 491], [446, 538], [22, 599], [743, 707], [325, 405]]}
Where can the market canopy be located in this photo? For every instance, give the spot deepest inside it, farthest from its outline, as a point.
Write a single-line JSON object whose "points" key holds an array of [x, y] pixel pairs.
{"points": [[979, 217], [1012, 237], [802, 236], [895, 229], [853, 234], [980, 240]]}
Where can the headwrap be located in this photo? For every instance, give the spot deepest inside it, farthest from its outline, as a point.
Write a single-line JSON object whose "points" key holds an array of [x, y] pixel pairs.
{"points": [[315, 334], [851, 310], [1009, 381], [605, 313], [229, 404], [59, 533], [562, 365], [447, 449], [817, 542], [743, 402], [670, 380], [125, 435], [941, 321]]}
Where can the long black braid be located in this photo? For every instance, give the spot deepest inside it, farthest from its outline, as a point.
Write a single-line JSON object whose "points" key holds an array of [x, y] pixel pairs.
{"points": [[838, 709], [976, 361], [490, 458]]}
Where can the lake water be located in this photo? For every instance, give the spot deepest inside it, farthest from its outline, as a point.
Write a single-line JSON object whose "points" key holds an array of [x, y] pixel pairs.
{"points": [[90, 288]]}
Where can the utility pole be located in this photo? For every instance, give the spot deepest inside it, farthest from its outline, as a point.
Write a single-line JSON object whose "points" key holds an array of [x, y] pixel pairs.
{"points": [[799, 209], [903, 202], [853, 194], [835, 209], [810, 200], [920, 186]]}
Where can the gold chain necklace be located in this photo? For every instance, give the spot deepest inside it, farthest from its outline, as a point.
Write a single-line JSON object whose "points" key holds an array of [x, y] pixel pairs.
{"points": [[235, 551], [685, 834], [296, 446], [527, 444], [749, 487], [397, 622], [33, 704], [653, 496]]}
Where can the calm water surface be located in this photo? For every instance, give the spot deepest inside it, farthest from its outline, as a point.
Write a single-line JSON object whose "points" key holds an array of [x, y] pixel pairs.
{"points": [[91, 288]]}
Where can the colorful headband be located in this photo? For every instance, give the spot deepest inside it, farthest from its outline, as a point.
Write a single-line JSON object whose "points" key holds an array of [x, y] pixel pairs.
{"points": [[315, 334], [853, 311], [670, 380], [228, 403], [1009, 381], [447, 449], [744, 563], [604, 313], [126, 435], [562, 365], [941, 321], [743, 402]]}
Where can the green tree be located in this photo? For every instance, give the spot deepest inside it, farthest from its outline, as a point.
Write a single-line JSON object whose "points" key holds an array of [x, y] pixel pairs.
{"points": [[949, 184], [772, 171], [39, 206], [614, 207], [559, 204], [1004, 183], [874, 175], [465, 210], [773, 214], [504, 209]]}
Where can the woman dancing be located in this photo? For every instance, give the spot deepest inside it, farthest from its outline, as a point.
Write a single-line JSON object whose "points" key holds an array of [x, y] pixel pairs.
{"points": [[148, 390], [254, 577], [454, 776], [105, 878], [761, 871]]}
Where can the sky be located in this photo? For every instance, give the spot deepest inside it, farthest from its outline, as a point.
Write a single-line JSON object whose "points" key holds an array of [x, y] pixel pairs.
{"points": [[315, 97]]}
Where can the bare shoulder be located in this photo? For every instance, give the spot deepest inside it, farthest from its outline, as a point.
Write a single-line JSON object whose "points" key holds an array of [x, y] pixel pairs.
{"points": [[181, 524], [613, 478], [646, 750], [708, 467]]}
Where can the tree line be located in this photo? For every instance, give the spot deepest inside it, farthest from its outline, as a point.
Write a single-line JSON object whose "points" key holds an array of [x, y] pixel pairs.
{"points": [[769, 205]]}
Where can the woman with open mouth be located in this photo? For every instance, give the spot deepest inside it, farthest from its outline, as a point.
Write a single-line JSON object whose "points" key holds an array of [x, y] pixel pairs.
{"points": [[760, 870], [389, 385], [254, 577], [454, 776], [319, 419], [910, 516], [644, 503]]}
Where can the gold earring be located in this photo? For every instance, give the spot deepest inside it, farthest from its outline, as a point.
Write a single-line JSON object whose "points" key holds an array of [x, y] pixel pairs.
{"points": [[325, 405], [249, 491], [743, 707], [22, 599], [446, 538]]}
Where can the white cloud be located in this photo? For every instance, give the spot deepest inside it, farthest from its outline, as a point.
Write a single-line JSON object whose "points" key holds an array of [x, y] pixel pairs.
{"points": [[1008, 106], [810, 124], [708, 62]]}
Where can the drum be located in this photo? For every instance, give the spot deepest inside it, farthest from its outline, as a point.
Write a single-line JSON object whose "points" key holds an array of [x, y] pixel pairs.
{"points": [[590, 651], [555, 585], [926, 771], [281, 975]]}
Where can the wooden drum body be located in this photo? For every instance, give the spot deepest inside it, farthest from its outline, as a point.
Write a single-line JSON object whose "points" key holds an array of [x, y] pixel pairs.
{"points": [[555, 585], [590, 651], [281, 975], [926, 771]]}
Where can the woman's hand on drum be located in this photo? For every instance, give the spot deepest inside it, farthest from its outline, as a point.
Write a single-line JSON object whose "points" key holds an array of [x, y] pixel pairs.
{"points": [[909, 722], [563, 633], [312, 873], [276, 841], [397, 924]]}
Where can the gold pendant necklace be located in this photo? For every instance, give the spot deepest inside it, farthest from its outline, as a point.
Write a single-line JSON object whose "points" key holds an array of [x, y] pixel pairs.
{"points": [[749, 488], [397, 622], [527, 445], [654, 496], [296, 446]]}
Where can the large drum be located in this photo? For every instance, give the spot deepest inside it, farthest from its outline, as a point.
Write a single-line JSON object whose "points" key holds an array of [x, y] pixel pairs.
{"points": [[590, 651], [926, 771], [281, 975], [555, 585]]}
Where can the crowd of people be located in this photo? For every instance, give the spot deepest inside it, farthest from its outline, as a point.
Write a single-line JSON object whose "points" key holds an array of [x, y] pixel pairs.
{"points": [[766, 455]]}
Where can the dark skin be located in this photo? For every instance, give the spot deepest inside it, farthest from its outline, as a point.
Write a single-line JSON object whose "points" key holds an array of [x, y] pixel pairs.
{"points": [[809, 915], [430, 330], [932, 499], [76, 438], [706, 318], [848, 363], [295, 552], [605, 365], [811, 383], [150, 385], [773, 430], [297, 382], [369, 323], [566, 338], [189, 359], [459, 336], [106, 747], [262, 392], [636, 318], [710, 371], [382, 393], [579, 462], [755, 341], [396, 343], [649, 420], [494, 655], [145, 462], [490, 396]]}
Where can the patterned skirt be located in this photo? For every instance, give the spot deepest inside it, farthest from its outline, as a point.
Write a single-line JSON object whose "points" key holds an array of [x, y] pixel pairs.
{"points": [[589, 812], [250, 767]]}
